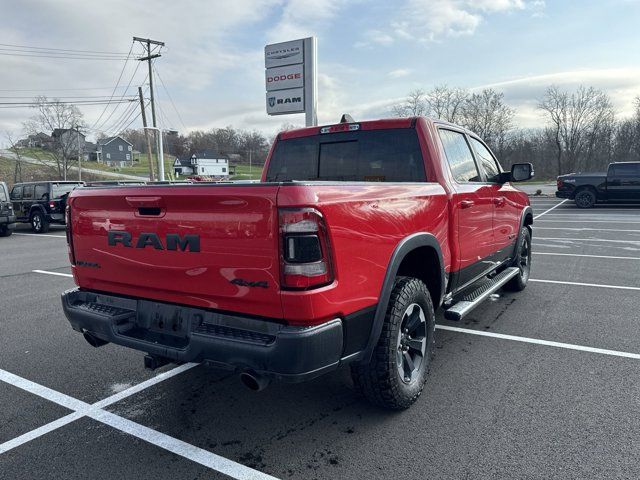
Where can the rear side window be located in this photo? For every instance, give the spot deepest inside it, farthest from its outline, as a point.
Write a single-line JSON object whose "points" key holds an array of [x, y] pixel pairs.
{"points": [[16, 193], [41, 191], [392, 155], [27, 193], [626, 169], [488, 163], [59, 189], [459, 157], [3, 193]]}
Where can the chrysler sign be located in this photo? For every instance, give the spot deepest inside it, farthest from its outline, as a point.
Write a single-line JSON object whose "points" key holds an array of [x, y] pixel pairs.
{"points": [[290, 78]]}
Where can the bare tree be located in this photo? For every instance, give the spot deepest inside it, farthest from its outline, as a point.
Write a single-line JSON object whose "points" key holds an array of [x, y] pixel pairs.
{"points": [[487, 115], [582, 122], [13, 148], [50, 116], [414, 105], [446, 103]]}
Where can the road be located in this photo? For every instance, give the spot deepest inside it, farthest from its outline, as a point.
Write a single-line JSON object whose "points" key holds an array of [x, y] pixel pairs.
{"points": [[121, 176], [537, 384]]}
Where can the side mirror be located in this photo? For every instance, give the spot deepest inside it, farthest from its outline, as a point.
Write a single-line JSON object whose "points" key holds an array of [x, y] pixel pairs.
{"points": [[521, 172]]}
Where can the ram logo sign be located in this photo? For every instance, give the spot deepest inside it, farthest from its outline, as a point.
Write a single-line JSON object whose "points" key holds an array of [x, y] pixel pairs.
{"points": [[285, 101], [172, 241]]}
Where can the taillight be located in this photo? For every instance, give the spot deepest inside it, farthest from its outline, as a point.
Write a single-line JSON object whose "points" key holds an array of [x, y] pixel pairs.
{"points": [[560, 184], [52, 205], [305, 252], [67, 218]]}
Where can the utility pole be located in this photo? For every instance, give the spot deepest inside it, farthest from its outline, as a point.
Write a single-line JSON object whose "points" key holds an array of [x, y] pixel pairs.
{"points": [[79, 153], [146, 42], [146, 135]]}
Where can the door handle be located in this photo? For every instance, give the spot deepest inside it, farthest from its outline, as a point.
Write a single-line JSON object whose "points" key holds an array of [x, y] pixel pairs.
{"points": [[467, 203], [499, 201]]}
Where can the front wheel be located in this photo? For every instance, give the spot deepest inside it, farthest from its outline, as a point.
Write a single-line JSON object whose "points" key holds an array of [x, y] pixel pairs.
{"points": [[397, 372], [523, 262], [39, 224], [585, 199], [5, 231]]}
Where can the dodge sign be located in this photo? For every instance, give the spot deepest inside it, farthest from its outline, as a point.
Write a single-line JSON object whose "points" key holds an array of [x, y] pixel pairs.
{"points": [[280, 78]]}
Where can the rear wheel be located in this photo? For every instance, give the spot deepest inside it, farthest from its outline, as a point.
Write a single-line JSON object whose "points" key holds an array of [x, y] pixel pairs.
{"points": [[5, 231], [585, 199], [397, 372], [39, 224], [523, 262]]}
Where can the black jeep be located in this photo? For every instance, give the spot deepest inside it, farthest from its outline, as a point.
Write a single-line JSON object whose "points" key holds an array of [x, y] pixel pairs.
{"points": [[41, 203], [7, 218]]}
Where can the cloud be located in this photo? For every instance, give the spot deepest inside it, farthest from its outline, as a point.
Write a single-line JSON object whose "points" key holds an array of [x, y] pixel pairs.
{"points": [[431, 20], [400, 72], [303, 18]]}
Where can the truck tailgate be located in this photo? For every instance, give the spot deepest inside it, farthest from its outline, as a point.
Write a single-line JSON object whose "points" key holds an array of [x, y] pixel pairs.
{"points": [[212, 246]]}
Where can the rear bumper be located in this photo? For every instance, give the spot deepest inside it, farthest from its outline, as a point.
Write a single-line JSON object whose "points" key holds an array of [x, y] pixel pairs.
{"points": [[8, 221], [55, 217], [564, 194], [186, 334]]}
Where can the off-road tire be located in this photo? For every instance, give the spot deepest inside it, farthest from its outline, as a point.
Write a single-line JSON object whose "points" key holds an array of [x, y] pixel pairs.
{"points": [[5, 231], [522, 261], [585, 198], [39, 224], [380, 381]]}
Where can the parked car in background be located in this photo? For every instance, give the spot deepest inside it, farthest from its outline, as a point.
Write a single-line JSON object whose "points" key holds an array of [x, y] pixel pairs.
{"points": [[620, 184], [7, 217], [41, 203]]}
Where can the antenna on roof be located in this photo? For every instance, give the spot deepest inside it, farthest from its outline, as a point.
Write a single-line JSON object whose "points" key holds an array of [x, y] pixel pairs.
{"points": [[346, 118]]}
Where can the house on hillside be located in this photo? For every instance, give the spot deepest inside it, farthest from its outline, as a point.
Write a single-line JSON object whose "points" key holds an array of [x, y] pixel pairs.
{"points": [[68, 139], [38, 140], [207, 164], [114, 151], [90, 152]]}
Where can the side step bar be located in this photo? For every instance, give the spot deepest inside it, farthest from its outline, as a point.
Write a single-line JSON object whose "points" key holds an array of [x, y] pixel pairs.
{"points": [[470, 301]]}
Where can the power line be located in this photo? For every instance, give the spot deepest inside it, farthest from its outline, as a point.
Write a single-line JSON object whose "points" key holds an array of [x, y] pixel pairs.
{"points": [[169, 96], [60, 49], [103, 97], [61, 56], [56, 89], [31, 105], [123, 95], [116, 87]]}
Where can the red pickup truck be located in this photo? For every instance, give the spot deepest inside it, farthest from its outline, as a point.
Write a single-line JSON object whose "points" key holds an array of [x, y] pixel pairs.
{"points": [[356, 233]]}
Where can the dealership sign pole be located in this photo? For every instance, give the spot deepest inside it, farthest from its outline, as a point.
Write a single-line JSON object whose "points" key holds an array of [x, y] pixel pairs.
{"points": [[291, 78]]}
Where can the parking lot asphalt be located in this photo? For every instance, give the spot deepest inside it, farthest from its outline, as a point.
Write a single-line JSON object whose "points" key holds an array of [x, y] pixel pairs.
{"points": [[519, 406]]}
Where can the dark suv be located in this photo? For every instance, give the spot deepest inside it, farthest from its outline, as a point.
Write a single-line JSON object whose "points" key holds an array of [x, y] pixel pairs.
{"points": [[7, 218], [41, 203]]}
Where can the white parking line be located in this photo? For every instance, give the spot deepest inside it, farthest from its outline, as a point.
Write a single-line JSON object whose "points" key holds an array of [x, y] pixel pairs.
{"points": [[586, 229], [596, 285], [546, 211], [582, 255], [53, 273], [159, 439], [537, 341], [40, 235], [546, 220], [586, 240]]}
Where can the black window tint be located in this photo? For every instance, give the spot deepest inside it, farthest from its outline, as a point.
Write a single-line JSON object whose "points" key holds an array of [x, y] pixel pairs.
{"points": [[392, 155], [27, 193], [487, 162], [16, 193], [41, 191], [626, 170], [459, 156]]}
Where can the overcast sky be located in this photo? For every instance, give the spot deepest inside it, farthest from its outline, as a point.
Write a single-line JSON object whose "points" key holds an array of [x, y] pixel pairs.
{"points": [[371, 53]]}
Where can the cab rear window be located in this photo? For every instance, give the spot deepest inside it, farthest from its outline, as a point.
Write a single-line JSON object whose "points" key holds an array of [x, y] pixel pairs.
{"points": [[391, 155]]}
